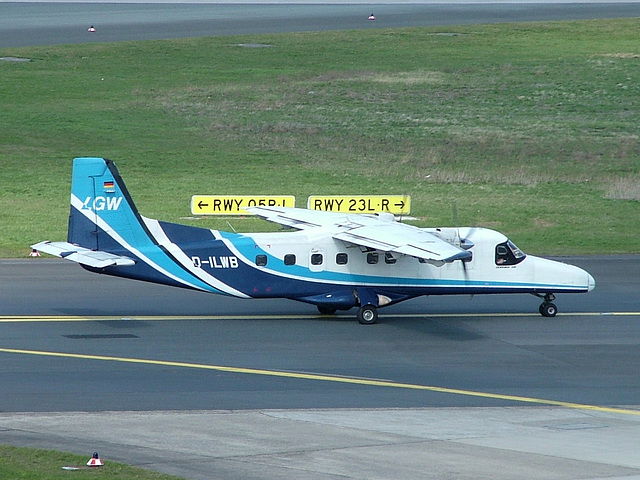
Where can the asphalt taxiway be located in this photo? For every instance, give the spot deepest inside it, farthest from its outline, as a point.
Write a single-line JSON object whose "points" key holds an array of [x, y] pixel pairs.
{"points": [[48, 23], [205, 386]]}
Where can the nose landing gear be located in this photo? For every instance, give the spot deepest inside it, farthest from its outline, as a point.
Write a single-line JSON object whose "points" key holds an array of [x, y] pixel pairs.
{"points": [[548, 308]]}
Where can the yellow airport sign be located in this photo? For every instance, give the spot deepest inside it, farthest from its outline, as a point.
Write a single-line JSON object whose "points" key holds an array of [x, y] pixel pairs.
{"points": [[396, 204], [236, 204]]}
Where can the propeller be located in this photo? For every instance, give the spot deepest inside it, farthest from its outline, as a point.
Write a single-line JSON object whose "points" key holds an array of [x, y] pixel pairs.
{"points": [[464, 243], [454, 207]]}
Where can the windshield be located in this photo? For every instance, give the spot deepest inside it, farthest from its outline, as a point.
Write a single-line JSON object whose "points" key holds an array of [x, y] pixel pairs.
{"points": [[508, 254], [515, 250]]}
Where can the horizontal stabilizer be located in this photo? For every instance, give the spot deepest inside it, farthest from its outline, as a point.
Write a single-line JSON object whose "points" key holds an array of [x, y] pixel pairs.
{"points": [[84, 256]]}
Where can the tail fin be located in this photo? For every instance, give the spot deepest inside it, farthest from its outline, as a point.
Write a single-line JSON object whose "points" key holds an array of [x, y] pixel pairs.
{"points": [[106, 232], [102, 209], [101, 216]]}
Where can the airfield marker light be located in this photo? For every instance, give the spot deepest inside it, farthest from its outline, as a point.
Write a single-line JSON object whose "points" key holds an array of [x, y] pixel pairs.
{"points": [[95, 461]]}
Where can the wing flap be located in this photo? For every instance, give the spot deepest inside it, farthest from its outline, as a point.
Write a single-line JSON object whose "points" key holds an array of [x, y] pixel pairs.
{"points": [[84, 256]]}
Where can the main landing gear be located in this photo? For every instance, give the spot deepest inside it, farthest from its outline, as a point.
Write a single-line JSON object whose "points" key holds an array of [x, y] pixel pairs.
{"points": [[548, 308], [368, 315]]}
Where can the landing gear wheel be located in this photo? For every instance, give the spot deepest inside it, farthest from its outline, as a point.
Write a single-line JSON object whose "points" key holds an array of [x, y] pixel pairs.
{"points": [[326, 310], [548, 309], [368, 315]]}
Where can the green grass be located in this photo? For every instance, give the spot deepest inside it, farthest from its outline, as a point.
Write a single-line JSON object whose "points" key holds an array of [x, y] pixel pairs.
{"points": [[531, 129], [29, 463]]}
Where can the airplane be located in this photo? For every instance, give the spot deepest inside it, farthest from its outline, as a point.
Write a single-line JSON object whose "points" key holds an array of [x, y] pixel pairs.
{"points": [[335, 261]]}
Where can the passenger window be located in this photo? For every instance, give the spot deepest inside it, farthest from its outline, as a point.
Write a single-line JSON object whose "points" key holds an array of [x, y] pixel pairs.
{"points": [[261, 260], [316, 259], [342, 258], [372, 258], [290, 259], [389, 259]]}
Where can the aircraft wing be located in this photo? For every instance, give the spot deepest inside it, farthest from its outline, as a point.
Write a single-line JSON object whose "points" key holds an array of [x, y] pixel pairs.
{"points": [[404, 239], [300, 218], [371, 231], [84, 256]]}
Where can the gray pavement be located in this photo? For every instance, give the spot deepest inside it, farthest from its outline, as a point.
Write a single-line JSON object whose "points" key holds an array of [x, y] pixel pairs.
{"points": [[467, 443], [558, 359], [27, 24]]}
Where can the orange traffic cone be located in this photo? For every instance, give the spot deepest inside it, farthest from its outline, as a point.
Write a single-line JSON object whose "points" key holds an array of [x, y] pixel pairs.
{"points": [[95, 461]]}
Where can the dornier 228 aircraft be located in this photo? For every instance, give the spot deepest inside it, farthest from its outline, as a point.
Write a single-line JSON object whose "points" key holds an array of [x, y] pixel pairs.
{"points": [[332, 260]]}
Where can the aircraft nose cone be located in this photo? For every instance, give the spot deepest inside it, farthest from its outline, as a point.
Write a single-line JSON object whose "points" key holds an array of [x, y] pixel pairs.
{"points": [[592, 282]]}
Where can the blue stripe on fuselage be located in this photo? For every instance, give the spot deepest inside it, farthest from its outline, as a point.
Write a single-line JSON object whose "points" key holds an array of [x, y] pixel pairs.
{"points": [[325, 280], [153, 263]]}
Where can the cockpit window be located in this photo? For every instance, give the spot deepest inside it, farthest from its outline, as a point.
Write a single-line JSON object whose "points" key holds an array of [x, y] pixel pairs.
{"points": [[508, 254], [515, 250]]}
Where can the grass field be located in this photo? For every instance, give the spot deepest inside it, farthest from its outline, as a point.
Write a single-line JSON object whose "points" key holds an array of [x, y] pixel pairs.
{"points": [[28, 463], [531, 129]]}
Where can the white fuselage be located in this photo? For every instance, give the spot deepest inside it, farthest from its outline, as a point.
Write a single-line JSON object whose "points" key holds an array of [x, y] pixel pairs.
{"points": [[315, 256]]}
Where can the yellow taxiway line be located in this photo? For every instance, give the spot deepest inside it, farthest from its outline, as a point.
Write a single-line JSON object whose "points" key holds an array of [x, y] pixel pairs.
{"points": [[165, 318], [325, 378]]}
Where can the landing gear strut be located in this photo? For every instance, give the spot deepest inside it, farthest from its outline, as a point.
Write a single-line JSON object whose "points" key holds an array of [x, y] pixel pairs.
{"points": [[548, 308], [368, 315]]}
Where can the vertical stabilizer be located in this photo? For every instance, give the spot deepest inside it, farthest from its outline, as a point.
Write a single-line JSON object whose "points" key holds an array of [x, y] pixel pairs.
{"points": [[102, 209], [108, 235]]}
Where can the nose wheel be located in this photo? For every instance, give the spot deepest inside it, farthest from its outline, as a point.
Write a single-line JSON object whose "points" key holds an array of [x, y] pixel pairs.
{"points": [[548, 308]]}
